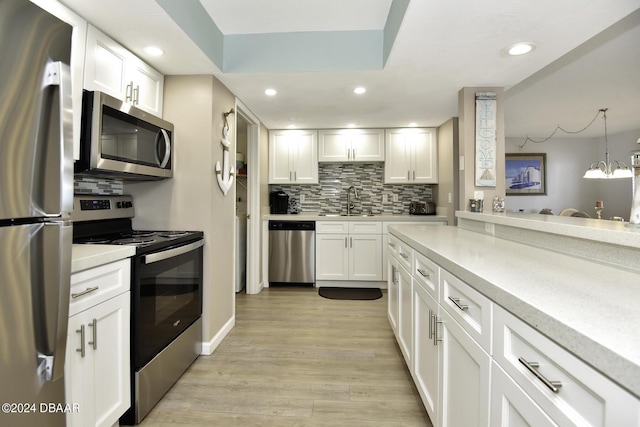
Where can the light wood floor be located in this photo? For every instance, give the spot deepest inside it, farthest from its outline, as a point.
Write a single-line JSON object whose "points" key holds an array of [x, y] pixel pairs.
{"points": [[297, 359]]}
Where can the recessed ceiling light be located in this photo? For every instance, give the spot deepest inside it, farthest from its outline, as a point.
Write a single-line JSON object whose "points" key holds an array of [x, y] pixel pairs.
{"points": [[270, 92], [521, 48], [413, 124], [153, 51], [351, 125], [359, 90]]}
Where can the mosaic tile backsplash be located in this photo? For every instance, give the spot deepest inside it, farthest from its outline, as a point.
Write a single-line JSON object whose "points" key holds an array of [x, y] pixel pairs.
{"points": [[330, 195], [88, 185]]}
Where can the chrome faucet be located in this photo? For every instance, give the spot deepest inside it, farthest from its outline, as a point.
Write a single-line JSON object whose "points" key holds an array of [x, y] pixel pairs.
{"points": [[349, 205]]}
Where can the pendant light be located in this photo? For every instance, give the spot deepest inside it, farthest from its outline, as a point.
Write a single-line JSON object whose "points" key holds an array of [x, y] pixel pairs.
{"points": [[605, 169]]}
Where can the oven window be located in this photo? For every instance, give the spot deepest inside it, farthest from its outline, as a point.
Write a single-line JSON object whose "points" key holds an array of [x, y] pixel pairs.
{"points": [[169, 298]]}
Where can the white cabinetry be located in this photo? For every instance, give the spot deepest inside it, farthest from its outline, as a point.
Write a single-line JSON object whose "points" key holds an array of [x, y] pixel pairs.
{"points": [[565, 388], [112, 69], [411, 156], [98, 347], [78, 44], [348, 251], [293, 157], [351, 145]]}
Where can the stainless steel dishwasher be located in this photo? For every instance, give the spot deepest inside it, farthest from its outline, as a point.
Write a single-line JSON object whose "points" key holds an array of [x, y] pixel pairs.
{"points": [[292, 252]]}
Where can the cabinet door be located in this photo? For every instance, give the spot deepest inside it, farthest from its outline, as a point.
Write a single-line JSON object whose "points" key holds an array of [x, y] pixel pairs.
{"points": [[465, 377], [106, 64], [108, 339], [332, 257], [367, 145], [397, 157], [405, 314], [424, 157], [511, 406], [392, 292], [333, 145], [365, 257], [147, 87], [78, 377], [425, 349], [305, 158], [280, 161]]}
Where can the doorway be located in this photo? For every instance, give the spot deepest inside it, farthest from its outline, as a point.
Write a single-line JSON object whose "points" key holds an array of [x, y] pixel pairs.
{"points": [[247, 200]]}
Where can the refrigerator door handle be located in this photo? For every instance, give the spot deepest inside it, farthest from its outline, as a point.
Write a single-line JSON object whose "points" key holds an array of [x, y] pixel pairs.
{"points": [[55, 157], [50, 288]]}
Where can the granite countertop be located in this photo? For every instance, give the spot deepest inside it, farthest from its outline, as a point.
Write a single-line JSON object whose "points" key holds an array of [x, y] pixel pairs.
{"points": [[315, 216], [84, 257], [586, 307]]}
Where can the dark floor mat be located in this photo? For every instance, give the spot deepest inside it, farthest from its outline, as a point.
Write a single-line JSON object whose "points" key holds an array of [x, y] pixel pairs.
{"points": [[350, 293]]}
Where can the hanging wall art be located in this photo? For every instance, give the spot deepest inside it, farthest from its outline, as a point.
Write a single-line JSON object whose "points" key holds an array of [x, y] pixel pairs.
{"points": [[225, 172], [486, 108]]}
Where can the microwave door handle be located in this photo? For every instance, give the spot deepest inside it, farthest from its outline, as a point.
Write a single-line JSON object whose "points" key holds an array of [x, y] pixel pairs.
{"points": [[167, 149], [160, 256]]}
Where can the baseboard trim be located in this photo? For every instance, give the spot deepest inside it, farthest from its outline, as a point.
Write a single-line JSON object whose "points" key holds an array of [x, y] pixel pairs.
{"points": [[209, 347]]}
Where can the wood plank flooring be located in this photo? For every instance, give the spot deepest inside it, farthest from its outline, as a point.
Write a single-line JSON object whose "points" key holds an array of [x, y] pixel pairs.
{"points": [[295, 358]]}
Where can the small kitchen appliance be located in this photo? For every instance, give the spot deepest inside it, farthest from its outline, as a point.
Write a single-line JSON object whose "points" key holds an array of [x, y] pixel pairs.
{"points": [[422, 208], [279, 202]]}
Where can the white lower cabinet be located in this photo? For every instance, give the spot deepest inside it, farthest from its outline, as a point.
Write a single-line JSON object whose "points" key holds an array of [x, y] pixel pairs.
{"points": [[98, 351], [511, 406], [426, 351], [465, 375], [475, 364]]}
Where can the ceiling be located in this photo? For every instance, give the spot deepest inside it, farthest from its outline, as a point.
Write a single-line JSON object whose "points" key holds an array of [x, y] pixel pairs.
{"points": [[586, 58]]}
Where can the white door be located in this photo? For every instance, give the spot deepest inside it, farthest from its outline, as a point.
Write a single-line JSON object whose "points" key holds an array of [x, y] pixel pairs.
{"points": [[365, 257], [148, 85], [368, 145], [405, 315], [332, 257], [106, 64], [397, 157], [332, 146], [424, 159], [280, 161], [465, 377], [392, 293], [425, 350], [305, 158], [78, 372]]}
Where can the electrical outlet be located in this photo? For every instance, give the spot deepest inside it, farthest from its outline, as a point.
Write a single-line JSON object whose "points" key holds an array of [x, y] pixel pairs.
{"points": [[302, 197], [490, 228], [395, 197], [450, 198], [478, 195], [385, 198]]}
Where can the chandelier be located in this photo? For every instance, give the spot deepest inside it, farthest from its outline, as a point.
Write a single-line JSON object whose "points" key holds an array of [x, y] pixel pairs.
{"points": [[606, 169]]}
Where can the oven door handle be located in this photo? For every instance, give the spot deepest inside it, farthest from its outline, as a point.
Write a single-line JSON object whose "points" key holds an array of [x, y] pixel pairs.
{"points": [[159, 256]]}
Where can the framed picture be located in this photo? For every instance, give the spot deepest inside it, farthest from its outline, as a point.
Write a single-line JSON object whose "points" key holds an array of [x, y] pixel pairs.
{"points": [[526, 174]]}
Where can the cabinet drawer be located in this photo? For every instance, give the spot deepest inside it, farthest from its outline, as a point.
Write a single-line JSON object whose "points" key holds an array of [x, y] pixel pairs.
{"points": [[96, 285], [471, 309], [584, 397], [332, 227], [365, 227], [427, 273], [404, 253], [392, 244]]}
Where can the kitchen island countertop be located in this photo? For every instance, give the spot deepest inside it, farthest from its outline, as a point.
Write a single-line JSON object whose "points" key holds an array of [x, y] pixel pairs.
{"points": [[375, 217], [84, 257], [585, 306]]}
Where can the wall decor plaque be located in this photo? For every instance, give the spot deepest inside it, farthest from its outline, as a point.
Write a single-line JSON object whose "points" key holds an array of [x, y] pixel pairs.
{"points": [[486, 142]]}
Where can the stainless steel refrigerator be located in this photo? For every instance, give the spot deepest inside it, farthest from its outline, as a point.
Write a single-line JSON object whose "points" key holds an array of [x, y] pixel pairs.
{"points": [[36, 196]]}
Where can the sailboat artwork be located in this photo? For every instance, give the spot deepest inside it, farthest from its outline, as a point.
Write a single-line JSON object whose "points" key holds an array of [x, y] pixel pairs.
{"points": [[486, 108]]}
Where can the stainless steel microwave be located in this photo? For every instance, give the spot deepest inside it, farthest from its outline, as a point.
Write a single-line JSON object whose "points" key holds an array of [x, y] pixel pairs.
{"points": [[119, 140]]}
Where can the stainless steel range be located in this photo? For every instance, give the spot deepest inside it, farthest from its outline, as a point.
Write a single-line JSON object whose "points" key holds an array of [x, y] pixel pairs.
{"points": [[166, 294]]}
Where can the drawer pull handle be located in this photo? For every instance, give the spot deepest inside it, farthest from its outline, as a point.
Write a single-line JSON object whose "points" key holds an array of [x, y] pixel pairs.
{"points": [[86, 291], [430, 324], [435, 329], [81, 350], [554, 386], [456, 301], [423, 272], [94, 325], [393, 245], [405, 256]]}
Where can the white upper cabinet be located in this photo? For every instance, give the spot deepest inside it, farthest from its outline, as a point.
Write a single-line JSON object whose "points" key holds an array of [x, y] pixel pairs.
{"points": [[411, 156], [112, 69], [351, 145], [293, 157]]}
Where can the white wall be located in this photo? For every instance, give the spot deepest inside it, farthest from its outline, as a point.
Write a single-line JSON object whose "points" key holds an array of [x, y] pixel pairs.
{"points": [[567, 160]]}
